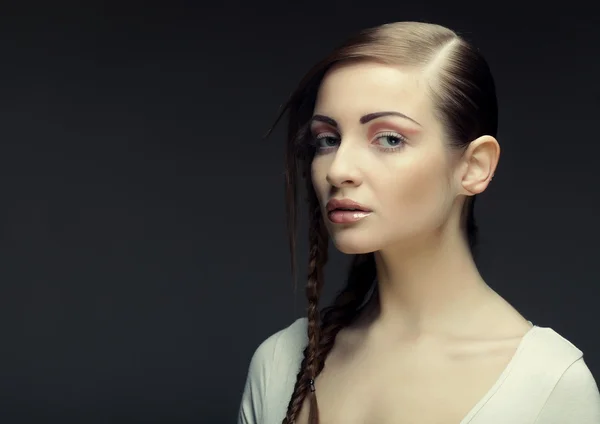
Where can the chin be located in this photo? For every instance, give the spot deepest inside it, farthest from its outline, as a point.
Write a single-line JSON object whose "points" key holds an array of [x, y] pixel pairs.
{"points": [[353, 244]]}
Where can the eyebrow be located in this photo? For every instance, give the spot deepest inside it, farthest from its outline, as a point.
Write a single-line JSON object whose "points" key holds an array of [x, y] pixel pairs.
{"points": [[364, 119]]}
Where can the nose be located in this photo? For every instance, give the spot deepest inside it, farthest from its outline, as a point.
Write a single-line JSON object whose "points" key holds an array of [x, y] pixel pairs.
{"points": [[344, 170]]}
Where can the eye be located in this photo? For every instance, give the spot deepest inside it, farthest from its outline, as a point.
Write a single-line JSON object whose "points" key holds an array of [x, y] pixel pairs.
{"points": [[390, 140], [326, 141]]}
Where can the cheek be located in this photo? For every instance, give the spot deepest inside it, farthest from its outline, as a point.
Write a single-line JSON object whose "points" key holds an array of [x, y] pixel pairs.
{"points": [[417, 191], [319, 178]]}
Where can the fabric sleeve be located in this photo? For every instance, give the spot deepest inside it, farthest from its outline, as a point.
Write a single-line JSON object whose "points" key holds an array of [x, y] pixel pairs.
{"points": [[252, 406], [575, 398]]}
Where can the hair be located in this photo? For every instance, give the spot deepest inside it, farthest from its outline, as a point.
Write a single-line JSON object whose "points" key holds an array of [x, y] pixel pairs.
{"points": [[463, 92]]}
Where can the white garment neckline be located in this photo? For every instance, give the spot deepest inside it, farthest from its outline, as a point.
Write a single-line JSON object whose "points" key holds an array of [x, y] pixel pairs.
{"points": [[503, 376]]}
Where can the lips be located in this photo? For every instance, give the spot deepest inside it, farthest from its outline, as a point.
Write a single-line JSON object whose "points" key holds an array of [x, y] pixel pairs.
{"points": [[346, 212], [345, 205]]}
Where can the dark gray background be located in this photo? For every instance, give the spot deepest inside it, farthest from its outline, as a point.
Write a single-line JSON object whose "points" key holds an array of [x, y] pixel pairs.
{"points": [[142, 239]]}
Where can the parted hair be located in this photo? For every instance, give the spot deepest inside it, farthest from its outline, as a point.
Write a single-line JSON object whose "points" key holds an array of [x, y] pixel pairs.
{"points": [[463, 93]]}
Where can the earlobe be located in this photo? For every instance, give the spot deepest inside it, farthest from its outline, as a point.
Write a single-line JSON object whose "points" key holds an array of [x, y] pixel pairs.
{"points": [[480, 160]]}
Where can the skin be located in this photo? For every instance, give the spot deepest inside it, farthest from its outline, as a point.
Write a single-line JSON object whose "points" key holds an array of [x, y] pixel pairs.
{"points": [[415, 184], [437, 327]]}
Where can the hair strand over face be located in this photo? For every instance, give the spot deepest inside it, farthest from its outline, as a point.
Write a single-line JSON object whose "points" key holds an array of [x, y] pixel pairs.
{"points": [[464, 97]]}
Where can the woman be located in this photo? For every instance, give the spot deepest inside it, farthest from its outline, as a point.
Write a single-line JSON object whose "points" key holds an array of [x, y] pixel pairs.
{"points": [[394, 133]]}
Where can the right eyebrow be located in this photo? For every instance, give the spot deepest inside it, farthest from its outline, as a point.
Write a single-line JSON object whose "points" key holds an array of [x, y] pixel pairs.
{"points": [[326, 119]]}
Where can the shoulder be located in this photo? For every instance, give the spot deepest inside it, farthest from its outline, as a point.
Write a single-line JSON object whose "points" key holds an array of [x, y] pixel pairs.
{"points": [[573, 395], [284, 345], [574, 399], [272, 373], [546, 340]]}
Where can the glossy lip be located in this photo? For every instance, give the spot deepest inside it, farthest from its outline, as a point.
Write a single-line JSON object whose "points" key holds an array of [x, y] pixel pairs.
{"points": [[345, 204]]}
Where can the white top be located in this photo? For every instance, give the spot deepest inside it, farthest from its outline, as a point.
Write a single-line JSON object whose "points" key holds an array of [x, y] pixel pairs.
{"points": [[545, 382]]}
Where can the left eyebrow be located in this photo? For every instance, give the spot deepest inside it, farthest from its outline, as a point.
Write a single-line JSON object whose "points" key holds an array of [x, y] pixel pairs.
{"points": [[375, 115], [364, 119]]}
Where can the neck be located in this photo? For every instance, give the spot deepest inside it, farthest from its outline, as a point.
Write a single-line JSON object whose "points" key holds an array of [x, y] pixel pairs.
{"points": [[430, 287]]}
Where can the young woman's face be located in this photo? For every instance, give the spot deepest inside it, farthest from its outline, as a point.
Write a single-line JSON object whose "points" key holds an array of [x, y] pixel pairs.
{"points": [[397, 166]]}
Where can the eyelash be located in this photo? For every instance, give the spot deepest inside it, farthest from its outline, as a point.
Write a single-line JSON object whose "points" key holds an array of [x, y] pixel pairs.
{"points": [[401, 138]]}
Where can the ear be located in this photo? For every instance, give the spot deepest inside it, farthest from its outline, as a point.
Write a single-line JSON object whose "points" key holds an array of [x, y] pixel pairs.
{"points": [[479, 162]]}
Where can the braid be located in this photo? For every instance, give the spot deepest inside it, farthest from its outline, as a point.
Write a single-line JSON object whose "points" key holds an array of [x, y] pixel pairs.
{"points": [[335, 317], [344, 309], [318, 241]]}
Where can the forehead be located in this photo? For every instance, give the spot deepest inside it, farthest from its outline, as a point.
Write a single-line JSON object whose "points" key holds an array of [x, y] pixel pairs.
{"points": [[354, 89]]}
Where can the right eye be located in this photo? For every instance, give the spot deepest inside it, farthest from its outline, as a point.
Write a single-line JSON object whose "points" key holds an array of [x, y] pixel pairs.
{"points": [[326, 141]]}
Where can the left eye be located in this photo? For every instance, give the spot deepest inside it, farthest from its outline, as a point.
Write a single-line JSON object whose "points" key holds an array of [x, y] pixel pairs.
{"points": [[392, 140]]}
